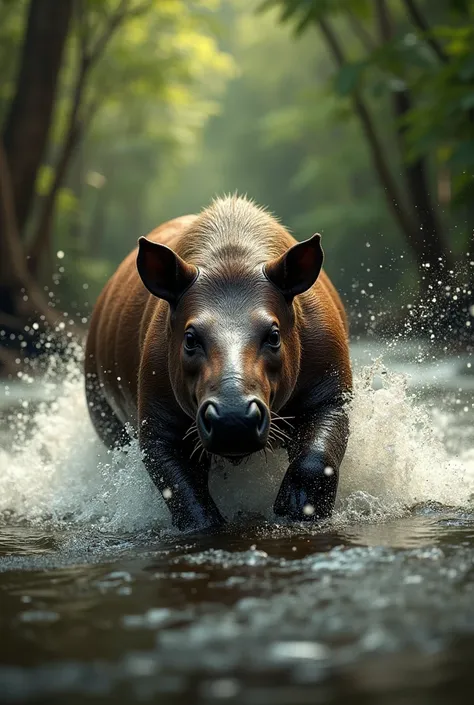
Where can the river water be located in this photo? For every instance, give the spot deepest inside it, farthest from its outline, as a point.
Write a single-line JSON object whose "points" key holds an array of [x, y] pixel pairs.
{"points": [[100, 601]]}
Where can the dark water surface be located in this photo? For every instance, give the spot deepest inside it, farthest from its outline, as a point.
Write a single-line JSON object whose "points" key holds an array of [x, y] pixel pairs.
{"points": [[371, 608]]}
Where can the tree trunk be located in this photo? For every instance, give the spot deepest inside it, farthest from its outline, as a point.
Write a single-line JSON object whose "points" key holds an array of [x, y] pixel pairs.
{"points": [[29, 119], [427, 242], [77, 124], [21, 301], [402, 215], [421, 23], [42, 235], [417, 221]]}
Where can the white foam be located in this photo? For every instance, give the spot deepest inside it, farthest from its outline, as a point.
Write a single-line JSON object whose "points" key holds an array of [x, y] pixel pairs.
{"points": [[61, 473], [395, 456]]}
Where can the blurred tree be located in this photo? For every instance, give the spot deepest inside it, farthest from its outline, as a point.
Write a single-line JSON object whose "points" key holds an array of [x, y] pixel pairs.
{"points": [[156, 97], [144, 63], [96, 25], [29, 117], [280, 139], [425, 70]]}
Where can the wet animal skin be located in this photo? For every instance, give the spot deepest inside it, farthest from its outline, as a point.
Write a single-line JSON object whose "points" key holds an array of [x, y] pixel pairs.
{"points": [[222, 335]]}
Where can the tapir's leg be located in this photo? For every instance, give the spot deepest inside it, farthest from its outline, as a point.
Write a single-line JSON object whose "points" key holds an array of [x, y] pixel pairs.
{"points": [[183, 482], [308, 490], [109, 428]]}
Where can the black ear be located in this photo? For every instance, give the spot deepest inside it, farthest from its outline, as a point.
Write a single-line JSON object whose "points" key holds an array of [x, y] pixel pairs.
{"points": [[163, 272], [296, 270]]}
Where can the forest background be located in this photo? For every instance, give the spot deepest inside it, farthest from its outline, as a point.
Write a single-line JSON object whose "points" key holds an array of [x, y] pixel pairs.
{"points": [[353, 118]]}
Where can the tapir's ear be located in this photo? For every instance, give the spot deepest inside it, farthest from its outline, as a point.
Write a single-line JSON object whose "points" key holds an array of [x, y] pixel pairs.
{"points": [[163, 272], [296, 270]]}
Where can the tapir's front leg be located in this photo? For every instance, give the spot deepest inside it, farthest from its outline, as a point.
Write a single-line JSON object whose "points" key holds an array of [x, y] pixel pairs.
{"points": [[183, 482], [308, 490]]}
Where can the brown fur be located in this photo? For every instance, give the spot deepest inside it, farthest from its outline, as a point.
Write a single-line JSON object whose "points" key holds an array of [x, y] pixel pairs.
{"points": [[132, 358]]}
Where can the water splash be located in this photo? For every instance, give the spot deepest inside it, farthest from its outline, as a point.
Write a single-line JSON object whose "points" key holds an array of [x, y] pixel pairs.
{"points": [[58, 472], [396, 457]]}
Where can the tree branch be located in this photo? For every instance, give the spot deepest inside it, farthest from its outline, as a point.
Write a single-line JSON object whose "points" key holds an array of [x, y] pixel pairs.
{"points": [[28, 119], [10, 244], [112, 25], [76, 123], [72, 136], [121, 13], [361, 33], [419, 21], [14, 275], [83, 27], [379, 160], [428, 238]]}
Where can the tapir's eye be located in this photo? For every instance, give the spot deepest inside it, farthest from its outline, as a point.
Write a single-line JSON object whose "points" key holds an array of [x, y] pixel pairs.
{"points": [[273, 338], [191, 341]]}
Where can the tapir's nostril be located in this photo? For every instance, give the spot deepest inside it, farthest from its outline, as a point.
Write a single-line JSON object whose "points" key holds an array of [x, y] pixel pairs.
{"points": [[209, 415], [233, 426], [257, 412], [253, 412]]}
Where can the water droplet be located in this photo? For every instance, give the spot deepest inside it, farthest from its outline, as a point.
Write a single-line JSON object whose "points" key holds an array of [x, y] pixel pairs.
{"points": [[223, 688], [285, 650]]}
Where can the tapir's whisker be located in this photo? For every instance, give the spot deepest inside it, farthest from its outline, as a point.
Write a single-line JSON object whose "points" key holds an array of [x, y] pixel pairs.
{"points": [[277, 429], [196, 448], [271, 435], [190, 433], [192, 429], [264, 452], [280, 434], [277, 417]]}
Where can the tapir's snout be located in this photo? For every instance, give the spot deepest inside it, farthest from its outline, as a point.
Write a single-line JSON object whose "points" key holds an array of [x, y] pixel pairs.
{"points": [[233, 427]]}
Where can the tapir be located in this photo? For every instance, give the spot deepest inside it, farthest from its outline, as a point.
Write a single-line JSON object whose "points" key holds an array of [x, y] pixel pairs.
{"points": [[221, 335]]}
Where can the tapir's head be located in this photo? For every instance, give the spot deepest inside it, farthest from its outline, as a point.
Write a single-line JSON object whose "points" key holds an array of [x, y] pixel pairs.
{"points": [[234, 350]]}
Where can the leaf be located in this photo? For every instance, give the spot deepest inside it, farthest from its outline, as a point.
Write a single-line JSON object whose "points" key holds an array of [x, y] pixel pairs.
{"points": [[379, 89], [444, 153], [463, 155], [67, 201], [304, 22], [467, 70], [460, 6], [468, 101], [267, 5], [44, 179], [349, 76]]}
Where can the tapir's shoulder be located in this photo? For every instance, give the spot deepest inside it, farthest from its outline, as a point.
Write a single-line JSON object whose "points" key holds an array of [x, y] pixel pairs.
{"points": [[323, 330]]}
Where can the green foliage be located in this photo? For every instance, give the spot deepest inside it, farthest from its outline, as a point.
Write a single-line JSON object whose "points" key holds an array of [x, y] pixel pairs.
{"points": [[279, 138], [196, 98], [441, 123], [315, 9], [145, 103], [12, 22], [348, 78], [157, 87]]}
